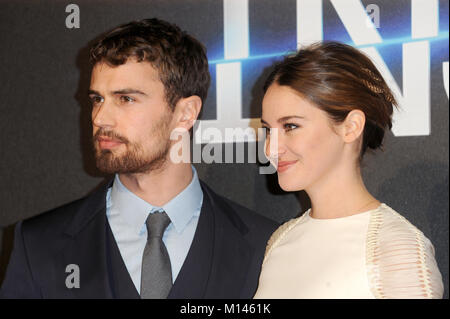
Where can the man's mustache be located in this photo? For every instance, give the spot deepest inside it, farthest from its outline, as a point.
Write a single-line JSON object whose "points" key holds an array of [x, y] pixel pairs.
{"points": [[110, 134]]}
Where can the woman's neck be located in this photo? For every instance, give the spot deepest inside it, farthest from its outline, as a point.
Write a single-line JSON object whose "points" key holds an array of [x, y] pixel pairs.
{"points": [[339, 194]]}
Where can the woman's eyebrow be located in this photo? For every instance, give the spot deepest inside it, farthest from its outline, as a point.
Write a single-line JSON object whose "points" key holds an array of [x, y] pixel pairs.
{"points": [[284, 119], [287, 118]]}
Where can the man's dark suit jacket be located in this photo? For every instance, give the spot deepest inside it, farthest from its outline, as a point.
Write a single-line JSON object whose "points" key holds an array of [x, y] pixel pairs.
{"points": [[224, 259]]}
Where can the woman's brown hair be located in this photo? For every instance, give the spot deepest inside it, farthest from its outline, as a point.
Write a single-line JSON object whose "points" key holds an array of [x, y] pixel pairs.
{"points": [[338, 78]]}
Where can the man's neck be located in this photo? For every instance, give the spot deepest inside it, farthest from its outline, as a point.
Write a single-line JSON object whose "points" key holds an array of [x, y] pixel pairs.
{"points": [[158, 187]]}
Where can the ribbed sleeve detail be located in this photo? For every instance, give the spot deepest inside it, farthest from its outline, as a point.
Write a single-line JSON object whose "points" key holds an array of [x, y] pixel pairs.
{"points": [[400, 259]]}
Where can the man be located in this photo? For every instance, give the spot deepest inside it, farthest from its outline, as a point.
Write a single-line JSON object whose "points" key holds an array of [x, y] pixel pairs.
{"points": [[154, 230]]}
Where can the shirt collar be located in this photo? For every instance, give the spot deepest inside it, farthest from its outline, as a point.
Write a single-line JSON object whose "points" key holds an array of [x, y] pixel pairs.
{"points": [[134, 211]]}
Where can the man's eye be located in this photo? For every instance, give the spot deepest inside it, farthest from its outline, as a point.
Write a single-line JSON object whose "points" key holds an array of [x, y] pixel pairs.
{"points": [[96, 100], [126, 99]]}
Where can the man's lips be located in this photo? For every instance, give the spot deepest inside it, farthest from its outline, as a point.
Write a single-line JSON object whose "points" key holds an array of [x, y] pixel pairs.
{"points": [[284, 165], [105, 142]]}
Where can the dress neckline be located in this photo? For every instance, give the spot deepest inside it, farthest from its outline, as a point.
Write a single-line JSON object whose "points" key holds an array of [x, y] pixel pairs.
{"points": [[357, 215]]}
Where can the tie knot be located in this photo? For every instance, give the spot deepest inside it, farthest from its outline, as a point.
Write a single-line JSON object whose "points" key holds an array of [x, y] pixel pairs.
{"points": [[157, 224]]}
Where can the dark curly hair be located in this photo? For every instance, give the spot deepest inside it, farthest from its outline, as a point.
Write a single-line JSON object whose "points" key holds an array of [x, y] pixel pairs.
{"points": [[179, 58], [338, 78]]}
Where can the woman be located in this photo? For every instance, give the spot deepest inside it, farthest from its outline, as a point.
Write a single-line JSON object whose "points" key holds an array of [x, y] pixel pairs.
{"points": [[325, 107]]}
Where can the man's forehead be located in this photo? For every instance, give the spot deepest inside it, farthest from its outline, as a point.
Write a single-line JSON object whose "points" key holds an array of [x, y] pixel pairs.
{"points": [[130, 69], [137, 75]]}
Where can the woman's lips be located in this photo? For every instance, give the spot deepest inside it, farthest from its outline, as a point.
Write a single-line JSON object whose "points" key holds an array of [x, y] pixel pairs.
{"points": [[284, 165], [108, 143]]}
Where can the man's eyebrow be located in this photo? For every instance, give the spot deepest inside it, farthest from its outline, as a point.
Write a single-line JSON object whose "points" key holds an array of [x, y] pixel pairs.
{"points": [[128, 91], [123, 91], [93, 92]]}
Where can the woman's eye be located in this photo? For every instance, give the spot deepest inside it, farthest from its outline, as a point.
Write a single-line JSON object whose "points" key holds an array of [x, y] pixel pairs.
{"points": [[267, 130], [290, 126]]}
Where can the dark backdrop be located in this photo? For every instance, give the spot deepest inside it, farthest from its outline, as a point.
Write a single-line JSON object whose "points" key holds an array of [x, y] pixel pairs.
{"points": [[45, 119]]}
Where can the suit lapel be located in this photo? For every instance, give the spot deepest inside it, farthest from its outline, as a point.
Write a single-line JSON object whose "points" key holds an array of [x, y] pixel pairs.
{"points": [[232, 252], [87, 250], [217, 262], [193, 277], [92, 247]]}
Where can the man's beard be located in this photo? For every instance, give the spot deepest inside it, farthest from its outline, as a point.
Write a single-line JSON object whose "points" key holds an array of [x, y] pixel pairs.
{"points": [[135, 159]]}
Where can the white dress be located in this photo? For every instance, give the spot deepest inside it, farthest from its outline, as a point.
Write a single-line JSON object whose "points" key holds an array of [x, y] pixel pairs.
{"points": [[374, 254]]}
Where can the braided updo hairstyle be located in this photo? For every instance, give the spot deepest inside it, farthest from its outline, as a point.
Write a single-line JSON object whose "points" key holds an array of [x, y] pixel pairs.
{"points": [[338, 78]]}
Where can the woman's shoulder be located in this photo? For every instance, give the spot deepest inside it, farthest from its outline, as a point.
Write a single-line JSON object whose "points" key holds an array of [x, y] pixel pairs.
{"points": [[386, 218], [280, 233], [400, 258]]}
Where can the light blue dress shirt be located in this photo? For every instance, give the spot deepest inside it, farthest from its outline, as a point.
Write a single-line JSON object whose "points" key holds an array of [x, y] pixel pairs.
{"points": [[127, 213]]}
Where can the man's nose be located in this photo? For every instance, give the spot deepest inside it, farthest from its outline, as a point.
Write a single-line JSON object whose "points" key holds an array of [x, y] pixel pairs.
{"points": [[103, 115]]}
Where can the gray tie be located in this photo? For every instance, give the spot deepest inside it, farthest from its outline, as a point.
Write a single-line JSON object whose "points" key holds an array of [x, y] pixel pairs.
{"points": [[156, 276]]}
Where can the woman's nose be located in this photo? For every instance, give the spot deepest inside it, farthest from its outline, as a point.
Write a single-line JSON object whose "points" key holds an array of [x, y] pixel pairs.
{"points": [[274, 147]]}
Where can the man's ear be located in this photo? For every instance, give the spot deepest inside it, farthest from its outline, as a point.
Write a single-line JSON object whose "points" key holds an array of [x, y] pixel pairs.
{"points": [[187, 111], [353, 126]]}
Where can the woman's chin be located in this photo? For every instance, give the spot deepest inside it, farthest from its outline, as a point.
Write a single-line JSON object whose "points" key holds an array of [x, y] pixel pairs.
{"points": [[289, 187]]}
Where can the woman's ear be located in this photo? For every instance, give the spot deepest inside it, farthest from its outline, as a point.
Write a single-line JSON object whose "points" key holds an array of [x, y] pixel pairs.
{"points": [[187, 111], [353, 126]]}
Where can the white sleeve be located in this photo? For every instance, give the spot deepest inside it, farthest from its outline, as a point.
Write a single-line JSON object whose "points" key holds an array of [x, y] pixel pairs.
{"points": [[400, 259]]}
